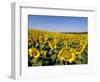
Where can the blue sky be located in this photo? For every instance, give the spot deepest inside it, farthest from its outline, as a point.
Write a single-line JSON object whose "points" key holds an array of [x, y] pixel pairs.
{"points": [[58, 23]]}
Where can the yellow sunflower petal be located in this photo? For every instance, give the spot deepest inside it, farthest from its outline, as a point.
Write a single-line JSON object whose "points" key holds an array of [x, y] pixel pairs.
{"points": [[33, 52]]}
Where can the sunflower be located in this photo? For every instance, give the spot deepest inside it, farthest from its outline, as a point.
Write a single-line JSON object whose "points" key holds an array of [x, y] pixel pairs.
{"points": [[83, 42], [52, 44], [66, 55], [35, 37], [42, 39], [80, 49], [33, 52]]}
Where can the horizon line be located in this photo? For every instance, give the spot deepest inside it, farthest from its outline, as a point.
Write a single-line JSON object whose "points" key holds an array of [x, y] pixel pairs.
{"points": [[59, 31]]}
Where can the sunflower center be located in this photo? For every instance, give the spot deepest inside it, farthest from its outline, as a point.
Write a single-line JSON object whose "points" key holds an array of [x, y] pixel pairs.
{"points": [[34, 53], [66, 54]]}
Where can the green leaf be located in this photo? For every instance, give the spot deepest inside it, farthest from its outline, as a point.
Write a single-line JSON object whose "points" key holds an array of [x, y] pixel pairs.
{"points": [[33, 45], [46, 47], [55, 51], [39, 63], [41, 46], [34, 60], [53, 57], [78, 62], [37, 45], [50, 52], [59, 63], [34, 64]]}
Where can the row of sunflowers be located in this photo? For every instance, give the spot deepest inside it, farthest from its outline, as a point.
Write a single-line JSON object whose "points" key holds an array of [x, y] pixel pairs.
{"points": [[55, 48]]}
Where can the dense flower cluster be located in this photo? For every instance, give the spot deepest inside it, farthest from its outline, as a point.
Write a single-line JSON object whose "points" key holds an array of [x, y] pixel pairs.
{"points": [[53, 48]]}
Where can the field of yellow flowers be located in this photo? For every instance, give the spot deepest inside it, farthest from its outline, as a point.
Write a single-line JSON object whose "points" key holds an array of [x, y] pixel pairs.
{"points": [[55, 48]]}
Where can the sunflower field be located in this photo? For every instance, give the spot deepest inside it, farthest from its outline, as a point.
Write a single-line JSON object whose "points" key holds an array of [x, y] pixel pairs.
{"points": [[56, 48]]}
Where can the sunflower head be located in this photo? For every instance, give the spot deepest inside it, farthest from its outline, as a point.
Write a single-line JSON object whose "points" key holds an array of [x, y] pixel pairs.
{"points": [[42, 39], [66, 55], [83, 42], [79, 49], [52, 44], [33, 52]]}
